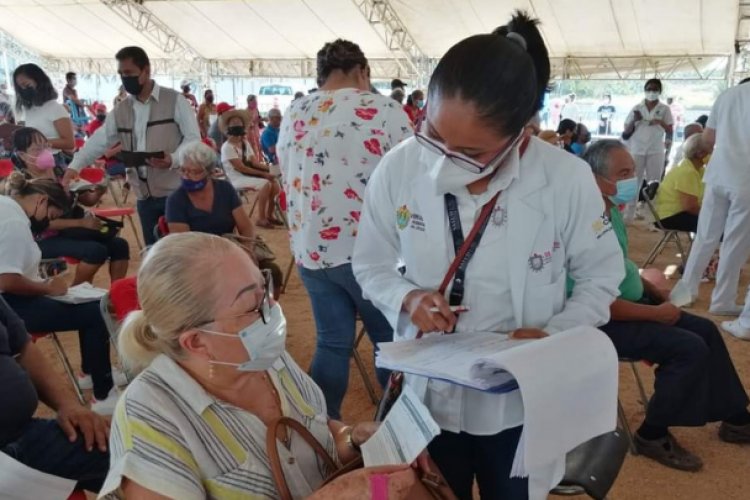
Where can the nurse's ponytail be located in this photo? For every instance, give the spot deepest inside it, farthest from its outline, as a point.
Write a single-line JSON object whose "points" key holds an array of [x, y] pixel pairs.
{"points": [[524, 30], [504, 74]]}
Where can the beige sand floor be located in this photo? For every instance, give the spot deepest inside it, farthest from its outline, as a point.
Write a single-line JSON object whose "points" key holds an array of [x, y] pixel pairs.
{"points": [[724, 477]]}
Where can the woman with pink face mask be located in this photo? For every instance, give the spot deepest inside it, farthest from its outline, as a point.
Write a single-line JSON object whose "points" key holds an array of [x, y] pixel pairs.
{"points": [[76, 233], [253, 130]]}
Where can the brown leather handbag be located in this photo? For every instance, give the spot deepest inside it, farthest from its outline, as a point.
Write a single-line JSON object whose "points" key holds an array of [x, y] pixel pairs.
{"points": [[432, 486]]}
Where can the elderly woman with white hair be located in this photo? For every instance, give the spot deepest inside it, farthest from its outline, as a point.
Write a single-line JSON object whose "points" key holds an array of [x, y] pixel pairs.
{"points": [[680, 194], [216, 375], [206, 204]]}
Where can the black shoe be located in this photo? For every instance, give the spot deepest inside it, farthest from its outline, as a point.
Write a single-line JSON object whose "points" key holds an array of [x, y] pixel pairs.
{"points": [[731, 433], [667, 451]]}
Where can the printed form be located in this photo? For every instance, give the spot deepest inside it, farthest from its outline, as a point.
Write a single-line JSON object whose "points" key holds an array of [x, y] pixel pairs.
{"points": [[404, 434]]}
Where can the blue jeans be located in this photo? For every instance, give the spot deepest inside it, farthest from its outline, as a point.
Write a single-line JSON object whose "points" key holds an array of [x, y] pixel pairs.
{"points": [[336, 300], [149, 211], [43, 446]]}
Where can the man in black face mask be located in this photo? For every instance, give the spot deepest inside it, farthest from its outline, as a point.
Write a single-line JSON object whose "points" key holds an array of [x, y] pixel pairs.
{"points": [[153, 120]]}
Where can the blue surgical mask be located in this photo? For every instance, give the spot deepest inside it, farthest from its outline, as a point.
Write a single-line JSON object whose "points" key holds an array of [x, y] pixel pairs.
{"points": [[192, 186], [264, 342], [420, 103], [627, 190]]}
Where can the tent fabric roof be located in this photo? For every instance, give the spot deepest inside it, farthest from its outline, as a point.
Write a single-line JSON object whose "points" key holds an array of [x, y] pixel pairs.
{"points": [[296, 29]]}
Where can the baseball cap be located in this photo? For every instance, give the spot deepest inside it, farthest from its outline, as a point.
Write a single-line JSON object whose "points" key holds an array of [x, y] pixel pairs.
{"points": [[223, 107]]}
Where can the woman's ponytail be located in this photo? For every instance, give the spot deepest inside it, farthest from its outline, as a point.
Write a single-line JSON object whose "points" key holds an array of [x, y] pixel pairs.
{"points": [[137, 344]]}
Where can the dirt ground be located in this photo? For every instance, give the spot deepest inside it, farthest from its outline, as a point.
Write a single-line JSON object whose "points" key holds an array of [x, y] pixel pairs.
{"points": [[724, 475]]}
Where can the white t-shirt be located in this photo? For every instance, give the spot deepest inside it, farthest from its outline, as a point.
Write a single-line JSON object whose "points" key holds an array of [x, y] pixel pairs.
{"points": [[730, 162], [239, 180], [43, 118], [19, 253], [571, 112], [648, 139]]}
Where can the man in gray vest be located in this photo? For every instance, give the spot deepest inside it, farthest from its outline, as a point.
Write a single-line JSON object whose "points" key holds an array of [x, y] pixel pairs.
{"points": [[152, 119]]}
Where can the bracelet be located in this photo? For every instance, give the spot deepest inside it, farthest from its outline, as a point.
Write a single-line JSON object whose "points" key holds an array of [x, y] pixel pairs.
{"points": [[349, 440]]}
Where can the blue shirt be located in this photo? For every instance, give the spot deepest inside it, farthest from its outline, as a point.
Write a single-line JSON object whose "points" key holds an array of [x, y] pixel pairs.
{"points": [[219, 221], [268, 139]]}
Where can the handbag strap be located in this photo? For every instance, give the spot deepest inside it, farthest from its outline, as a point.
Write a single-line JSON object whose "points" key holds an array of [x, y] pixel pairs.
{"points": [[272, 438]]}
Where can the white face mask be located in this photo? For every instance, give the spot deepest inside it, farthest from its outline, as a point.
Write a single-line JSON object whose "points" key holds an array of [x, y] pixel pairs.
{"points": [[652, 96], [264, 342]]}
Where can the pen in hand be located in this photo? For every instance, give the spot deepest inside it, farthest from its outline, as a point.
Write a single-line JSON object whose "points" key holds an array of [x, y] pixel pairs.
{"points": [[454, 309]]}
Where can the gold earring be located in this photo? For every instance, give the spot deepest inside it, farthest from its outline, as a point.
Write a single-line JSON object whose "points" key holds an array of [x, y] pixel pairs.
{"points": [[210, 370]]}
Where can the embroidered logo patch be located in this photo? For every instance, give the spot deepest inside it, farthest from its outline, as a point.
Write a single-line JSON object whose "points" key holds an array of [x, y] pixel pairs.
{"points": [[537, 261], [601, 226], [499, 216], [403, 215]]}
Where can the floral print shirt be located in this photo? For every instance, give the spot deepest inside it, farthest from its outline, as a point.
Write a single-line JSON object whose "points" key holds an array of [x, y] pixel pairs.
{"points": [[329, 145]]}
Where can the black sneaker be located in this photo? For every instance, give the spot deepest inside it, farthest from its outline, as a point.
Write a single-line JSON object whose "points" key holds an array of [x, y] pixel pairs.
{"points": [[731, 433], [667, 451]]}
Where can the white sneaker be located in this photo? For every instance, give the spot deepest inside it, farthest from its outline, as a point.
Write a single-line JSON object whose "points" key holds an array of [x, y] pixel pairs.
{"points": [[118, 377], [106, 406], [733, 310], [735, 329]]}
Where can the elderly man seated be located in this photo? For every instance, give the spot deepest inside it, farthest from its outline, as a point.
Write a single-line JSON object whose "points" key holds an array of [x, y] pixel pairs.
{"points": [[73, 446], [680, 194], [696, 381], [690, 130]]}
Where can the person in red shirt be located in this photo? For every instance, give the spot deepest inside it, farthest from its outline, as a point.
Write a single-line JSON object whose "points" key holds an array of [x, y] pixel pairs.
{"points": [[414, 105], [100, 112]]}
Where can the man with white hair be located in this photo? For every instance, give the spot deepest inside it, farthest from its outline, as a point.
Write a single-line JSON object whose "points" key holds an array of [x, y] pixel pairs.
{"points": [[725, 210], [689, 130]]}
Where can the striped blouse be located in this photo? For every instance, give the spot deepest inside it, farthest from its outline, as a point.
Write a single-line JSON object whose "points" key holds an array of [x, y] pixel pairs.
{"points": [[169, 435]]}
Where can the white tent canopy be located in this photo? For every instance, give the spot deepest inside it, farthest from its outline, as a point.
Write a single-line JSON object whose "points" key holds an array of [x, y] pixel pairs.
{"points": [[254, 37]]}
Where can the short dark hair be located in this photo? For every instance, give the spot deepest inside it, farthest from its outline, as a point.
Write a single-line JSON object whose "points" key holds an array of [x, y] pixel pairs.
{"points": [[69, 76], [44, 89], [339, 54], [566, 125], [654, 81], [504, 74], [25, 137], [135, 54]]}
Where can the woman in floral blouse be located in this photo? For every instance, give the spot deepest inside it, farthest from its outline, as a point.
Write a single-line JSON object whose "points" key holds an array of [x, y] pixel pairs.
{"points": [[330, 143]]}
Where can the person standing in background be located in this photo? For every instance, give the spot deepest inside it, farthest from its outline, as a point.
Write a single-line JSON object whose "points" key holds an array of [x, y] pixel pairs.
{"points": [[207, 112], [187, 94], [253, 129], [570, 110], [725, 210], [648, 132], [414, 106], [329, 145], [36, 99], [606, 112]]}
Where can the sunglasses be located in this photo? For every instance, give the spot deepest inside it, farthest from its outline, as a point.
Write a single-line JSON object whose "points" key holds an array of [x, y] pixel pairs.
{"points": [[461, 160]]}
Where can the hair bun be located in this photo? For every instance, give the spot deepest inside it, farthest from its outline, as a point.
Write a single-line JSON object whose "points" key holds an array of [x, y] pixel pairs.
{"points": [[16, 182]]}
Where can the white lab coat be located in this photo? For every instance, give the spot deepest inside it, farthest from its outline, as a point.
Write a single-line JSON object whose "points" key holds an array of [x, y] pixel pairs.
{"points": [[553, 212]]}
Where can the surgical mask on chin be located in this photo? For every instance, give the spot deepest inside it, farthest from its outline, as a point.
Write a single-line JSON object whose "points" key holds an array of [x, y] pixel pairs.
{"points": [[627, 190], [263, 342], [652, 96]]}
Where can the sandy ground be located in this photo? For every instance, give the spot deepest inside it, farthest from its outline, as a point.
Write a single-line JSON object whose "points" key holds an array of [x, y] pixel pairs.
{"points": [[725, 472]]}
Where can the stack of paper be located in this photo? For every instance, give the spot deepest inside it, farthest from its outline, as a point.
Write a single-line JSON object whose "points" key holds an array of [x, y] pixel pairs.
{"points": [[79, 294], [19, 482], [455, 358], [568, 382]]}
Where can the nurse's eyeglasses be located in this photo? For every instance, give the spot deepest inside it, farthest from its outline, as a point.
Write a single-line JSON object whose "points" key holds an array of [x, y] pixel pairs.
{"points": [[459, 159]]}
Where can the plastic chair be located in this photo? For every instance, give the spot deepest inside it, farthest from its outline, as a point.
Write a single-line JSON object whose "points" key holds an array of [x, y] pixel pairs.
{"points": [[648, 193], [77, 495], [64, 359], [115, 305], [93, 175], [123, 213], [592, 468], [6, 168]]}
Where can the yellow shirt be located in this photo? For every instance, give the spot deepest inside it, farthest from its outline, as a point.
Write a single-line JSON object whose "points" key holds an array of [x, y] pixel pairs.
{"points": [[684, 178]]}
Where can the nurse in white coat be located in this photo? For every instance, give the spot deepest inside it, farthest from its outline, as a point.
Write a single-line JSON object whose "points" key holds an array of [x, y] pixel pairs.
{"points": [[546, 222]]}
